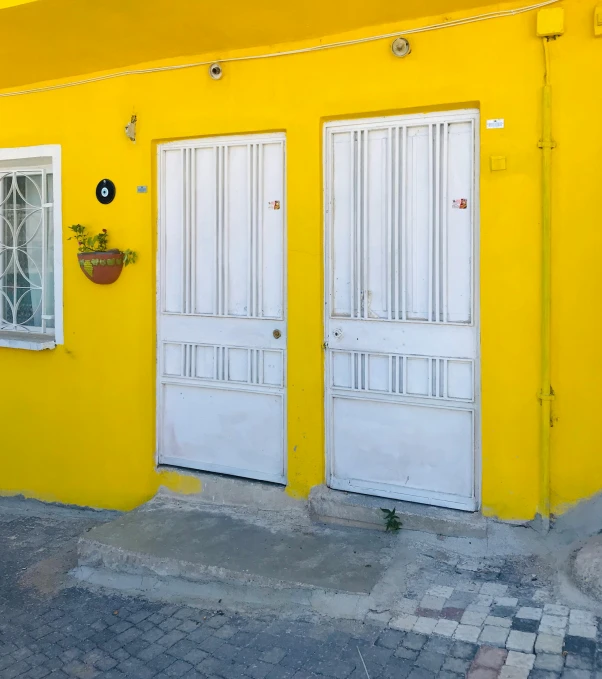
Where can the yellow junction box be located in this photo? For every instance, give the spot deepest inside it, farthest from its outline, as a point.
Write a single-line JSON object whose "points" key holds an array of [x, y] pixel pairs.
{"points": [[550, 22]]}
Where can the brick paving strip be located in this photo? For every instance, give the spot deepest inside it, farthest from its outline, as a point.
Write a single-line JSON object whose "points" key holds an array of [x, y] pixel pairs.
{"points": [[455, 621]]}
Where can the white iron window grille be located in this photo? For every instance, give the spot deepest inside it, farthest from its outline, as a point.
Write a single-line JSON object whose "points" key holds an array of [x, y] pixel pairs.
{"points": [[27, 269]]}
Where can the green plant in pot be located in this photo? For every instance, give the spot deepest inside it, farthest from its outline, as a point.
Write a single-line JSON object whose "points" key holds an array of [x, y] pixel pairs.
{"points": [[100, 264]]}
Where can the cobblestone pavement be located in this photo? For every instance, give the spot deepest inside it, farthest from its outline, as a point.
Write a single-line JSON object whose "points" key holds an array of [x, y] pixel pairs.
{"points": [[480, 619]]}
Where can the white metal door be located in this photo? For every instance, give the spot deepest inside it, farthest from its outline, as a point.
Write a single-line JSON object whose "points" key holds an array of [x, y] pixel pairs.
{"points": [[222, 323], [401, 311]]}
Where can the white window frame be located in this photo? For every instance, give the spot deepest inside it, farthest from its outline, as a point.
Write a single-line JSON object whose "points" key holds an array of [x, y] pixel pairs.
{"points": [[41, 155]]}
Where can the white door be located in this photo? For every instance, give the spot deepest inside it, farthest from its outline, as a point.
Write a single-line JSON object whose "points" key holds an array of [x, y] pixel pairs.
{"points": [[221, 321], [401, 311]]}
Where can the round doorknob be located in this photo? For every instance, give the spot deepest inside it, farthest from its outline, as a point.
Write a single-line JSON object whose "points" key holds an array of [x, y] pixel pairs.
{"points": [[277, 334]]}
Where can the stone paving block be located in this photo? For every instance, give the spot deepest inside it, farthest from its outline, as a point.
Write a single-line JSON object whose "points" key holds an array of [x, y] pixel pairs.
{"points": [[36, 673], [414, 641], [582, 630], [195, 656], [396, 668], [464, 650], [439, 644], [452, 613], [549, 629], [406, 605], [441, 591], [483, 600], [496, 636], [482, 673], [445, 628], [548, 643], [556, 609], [518, 659], [491, 657], [421, 673], [496, 621], [389, 638], [457, 665], [406, 653], [506, 601], [468, 586], [378, 618], [433, 603], [525, 625], [474, 618], [521, 641], [494, 589], [576, 674], [579, 617], [557, 621], [188, 626], [509, 672], [405, 622], [425, 625], [580, 646], [460, 599], [529, 613], [541, 595], [579, 662], [273, 656], [543, 674], [549, 662], [430, 661], [469, 633]]}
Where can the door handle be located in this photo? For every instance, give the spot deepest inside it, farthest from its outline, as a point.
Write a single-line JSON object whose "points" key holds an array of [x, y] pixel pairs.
{"points": [[277, 334]]}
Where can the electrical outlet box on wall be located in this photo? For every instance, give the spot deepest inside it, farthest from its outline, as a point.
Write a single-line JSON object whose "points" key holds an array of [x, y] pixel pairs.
{"points": [[550, 22]]}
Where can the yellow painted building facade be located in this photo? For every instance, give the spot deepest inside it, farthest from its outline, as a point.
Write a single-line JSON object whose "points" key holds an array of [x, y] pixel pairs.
{"points": [[78, 421]]}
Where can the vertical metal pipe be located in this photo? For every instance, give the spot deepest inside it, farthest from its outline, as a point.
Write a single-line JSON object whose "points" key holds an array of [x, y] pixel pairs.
{"points": [[546, 394]]}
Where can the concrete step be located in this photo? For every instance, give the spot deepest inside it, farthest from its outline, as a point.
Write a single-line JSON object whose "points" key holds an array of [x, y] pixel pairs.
{"points": [[236, 556], [230, 491], [351, 509]]}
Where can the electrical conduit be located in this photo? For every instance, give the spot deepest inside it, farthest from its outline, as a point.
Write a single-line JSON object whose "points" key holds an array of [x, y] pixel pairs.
{"points": [[546, 394]]}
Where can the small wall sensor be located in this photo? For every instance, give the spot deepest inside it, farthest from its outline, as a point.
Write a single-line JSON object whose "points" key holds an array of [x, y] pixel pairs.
{"points": [[215, 71], [400, 47]]}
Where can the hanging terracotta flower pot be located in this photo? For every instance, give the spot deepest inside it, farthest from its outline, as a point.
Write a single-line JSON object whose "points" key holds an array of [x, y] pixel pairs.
{"points": [[101, 267], [99, 264]]}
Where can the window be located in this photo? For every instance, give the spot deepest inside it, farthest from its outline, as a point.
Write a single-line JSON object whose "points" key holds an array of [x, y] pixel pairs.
{"points": [[30, 247]]}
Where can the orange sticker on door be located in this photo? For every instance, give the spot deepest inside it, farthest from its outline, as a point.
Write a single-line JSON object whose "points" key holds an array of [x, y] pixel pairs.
{"points": [[460, 203], [274, 205]]}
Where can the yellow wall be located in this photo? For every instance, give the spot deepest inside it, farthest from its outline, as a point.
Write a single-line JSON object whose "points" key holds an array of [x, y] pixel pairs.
{"points": [[78, 421]]}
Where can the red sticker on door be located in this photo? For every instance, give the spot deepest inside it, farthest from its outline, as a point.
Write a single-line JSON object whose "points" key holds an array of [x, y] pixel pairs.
{"points": [[460, 203], [274, 205]]}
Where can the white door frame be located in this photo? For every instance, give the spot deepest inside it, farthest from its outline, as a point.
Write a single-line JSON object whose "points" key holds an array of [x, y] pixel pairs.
{"points": [[256, 137], [449, 116]]}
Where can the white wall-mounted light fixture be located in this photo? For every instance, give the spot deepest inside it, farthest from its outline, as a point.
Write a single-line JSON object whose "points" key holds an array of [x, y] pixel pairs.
{"points": [[400, 47]]}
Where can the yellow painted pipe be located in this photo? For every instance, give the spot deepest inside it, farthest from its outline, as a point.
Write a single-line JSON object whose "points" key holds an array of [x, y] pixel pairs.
{"points": [[546, 394]]}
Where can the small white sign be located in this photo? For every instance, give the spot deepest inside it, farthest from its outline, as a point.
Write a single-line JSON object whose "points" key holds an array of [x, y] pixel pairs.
{"points": [[495, 123]]}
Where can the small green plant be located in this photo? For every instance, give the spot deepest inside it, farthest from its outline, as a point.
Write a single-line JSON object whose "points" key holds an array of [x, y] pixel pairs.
{"points": [[392, 522], [97, 243]]}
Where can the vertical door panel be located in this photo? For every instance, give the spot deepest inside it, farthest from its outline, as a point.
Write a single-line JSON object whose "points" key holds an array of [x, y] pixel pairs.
{"points": [[206, 251], [237, 203], [402, 364], [222, 395], [270, 233]]}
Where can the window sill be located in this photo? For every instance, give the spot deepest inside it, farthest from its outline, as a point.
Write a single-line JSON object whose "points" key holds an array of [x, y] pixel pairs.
{"points": [[26, 340]]}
